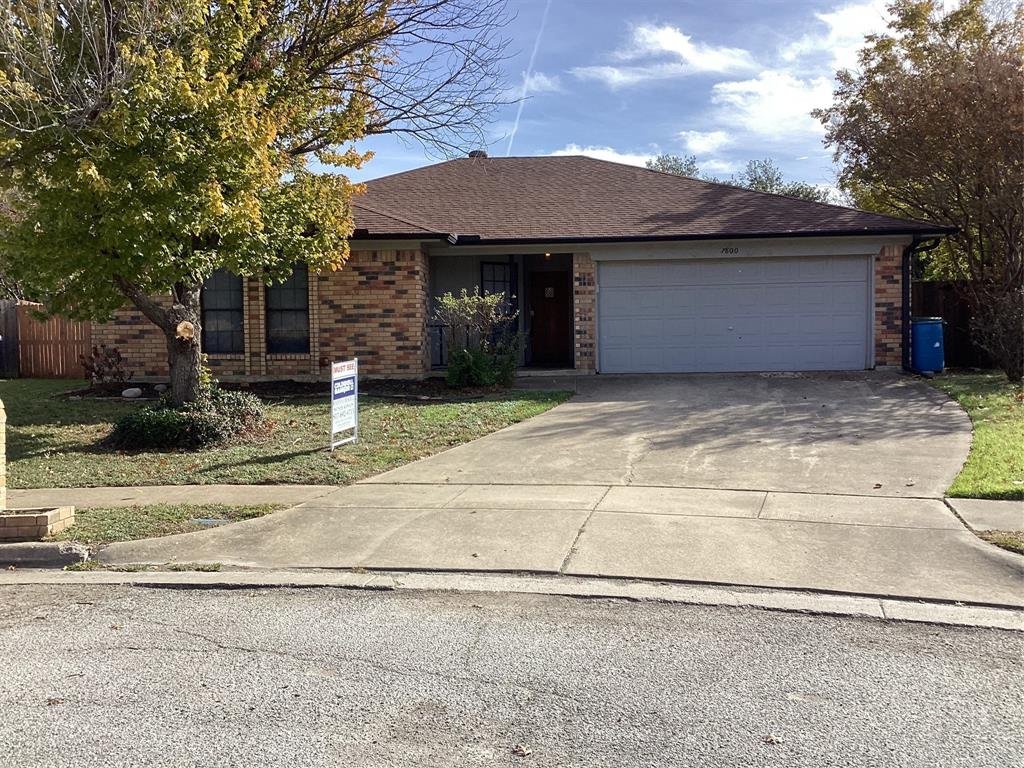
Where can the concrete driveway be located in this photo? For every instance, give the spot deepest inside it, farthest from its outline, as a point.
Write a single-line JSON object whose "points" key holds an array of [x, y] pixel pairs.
{"points": [[828, 482], [860, 433]]}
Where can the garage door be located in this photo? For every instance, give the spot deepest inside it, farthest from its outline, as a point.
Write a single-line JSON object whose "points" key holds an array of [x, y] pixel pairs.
{"points": [[768, 314]]}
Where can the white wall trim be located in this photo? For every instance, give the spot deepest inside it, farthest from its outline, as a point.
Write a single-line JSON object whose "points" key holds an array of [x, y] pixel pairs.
{"points": [[746, 249], [854, 245]]}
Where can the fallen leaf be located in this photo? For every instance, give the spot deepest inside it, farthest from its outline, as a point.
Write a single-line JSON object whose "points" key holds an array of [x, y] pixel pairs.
{"points": [[521, 750], [771, 738], [52, 702]]}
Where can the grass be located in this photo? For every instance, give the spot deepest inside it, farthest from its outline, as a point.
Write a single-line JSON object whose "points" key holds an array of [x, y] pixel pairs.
{"points": [[102, 525], [995, 466], [56, 442], [1009, 540]]}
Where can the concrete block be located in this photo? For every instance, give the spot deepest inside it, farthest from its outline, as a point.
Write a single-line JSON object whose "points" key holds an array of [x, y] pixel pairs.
{"points": [[42, 554], [682, 501]]}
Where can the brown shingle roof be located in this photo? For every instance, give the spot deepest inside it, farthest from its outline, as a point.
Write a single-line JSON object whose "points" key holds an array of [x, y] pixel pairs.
{"points": [[580, 198], [383, 223]]}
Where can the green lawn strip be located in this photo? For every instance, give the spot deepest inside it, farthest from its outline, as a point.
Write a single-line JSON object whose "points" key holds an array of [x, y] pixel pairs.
{"points": [[56, 442], [995, 467], [1009, 540], [103, 525]]}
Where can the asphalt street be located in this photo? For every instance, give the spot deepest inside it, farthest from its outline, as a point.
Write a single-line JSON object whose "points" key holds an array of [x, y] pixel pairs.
{"points": [[132, 676]]}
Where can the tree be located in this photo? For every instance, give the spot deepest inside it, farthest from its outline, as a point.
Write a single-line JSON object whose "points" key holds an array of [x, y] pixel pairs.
{"points": [[932, 126], [677, 164], [765, 176], [759, 175], [154, 141]]}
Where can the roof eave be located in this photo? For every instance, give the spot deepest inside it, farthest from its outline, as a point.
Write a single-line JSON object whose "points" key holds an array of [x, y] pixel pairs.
{"points": [[937, 231]]}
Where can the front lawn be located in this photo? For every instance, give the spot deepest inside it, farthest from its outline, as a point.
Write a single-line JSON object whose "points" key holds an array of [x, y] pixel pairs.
{"points": [[995, 467], [103, 525], [56, 442]]}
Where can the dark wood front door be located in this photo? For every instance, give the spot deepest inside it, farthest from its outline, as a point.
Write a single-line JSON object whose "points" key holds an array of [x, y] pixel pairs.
{"points": [[551, 319]]}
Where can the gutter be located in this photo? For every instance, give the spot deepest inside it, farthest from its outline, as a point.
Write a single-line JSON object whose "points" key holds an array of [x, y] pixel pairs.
{"points": [[476, 240], [917, 246], [919, 232]]}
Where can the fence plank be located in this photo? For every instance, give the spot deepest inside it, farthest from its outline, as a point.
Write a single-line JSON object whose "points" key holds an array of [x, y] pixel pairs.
{"points": [[50, 349], [8, 338]]}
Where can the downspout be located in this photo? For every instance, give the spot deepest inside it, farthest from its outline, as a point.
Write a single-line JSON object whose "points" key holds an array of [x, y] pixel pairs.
{"points": [[917, 246]]}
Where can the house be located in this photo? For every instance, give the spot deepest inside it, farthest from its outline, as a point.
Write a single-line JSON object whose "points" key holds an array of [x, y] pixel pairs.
{"points": [[613, 268]]}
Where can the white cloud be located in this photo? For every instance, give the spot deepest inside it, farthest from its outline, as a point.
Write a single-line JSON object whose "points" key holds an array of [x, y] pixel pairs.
{"points": [[700, 57], [718, 166], [604, 153], [664, 52], [843, 35], [704, 142], [538, 82], [775, 104]]}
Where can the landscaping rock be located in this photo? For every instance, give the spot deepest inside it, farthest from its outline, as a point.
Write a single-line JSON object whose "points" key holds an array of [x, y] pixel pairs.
{"points": [[160, 387], [132, 392], [42, 554]]}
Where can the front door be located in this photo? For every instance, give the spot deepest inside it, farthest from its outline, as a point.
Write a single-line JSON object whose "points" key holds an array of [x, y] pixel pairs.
{"points": [[551, 319]]}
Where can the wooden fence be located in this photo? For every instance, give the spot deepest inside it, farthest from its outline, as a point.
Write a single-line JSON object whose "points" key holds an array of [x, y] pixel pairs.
{"points": [[50, 349], [942, 299], [8, 339]]}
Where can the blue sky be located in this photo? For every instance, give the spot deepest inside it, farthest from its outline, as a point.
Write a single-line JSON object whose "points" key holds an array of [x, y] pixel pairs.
{"points": [[727, 81]]}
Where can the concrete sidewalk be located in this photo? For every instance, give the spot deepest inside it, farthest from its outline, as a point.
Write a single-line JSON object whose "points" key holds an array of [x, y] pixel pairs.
{"points": [[878, 546], [131, 496]]}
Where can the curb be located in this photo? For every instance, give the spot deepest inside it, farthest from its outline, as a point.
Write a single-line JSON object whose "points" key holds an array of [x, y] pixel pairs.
{"points": [[884, 609], [42, 554]]}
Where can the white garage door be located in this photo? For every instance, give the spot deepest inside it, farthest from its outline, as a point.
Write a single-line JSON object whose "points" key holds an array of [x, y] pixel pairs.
{"points": [[767, 314]]}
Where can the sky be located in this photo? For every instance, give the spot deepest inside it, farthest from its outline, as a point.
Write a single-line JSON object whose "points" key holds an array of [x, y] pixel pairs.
{"points": [[625, 80]]}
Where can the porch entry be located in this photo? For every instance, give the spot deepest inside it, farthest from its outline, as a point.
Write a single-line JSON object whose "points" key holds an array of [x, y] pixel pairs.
{"points": [[537, 286]]}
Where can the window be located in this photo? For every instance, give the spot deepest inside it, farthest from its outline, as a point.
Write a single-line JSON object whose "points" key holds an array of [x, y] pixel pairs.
{"points": [[222, 316], [288, 314], [499, 277]]}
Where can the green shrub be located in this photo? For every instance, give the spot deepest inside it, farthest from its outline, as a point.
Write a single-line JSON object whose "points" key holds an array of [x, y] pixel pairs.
{"points": [[505, 359], [479, 329], [215, 417], [470, 368]]}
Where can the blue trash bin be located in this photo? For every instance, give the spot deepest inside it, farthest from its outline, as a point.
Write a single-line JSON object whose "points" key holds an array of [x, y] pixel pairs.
{"points": [[926, 350]]}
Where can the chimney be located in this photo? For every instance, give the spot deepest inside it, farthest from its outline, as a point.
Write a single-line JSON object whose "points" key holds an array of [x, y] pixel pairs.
{"points": [[478, 153]]}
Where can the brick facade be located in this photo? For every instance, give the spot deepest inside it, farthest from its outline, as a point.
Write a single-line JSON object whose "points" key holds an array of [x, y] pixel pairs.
{"points": [[374, 308], [584, 308], [140, 342], [888, 320]]}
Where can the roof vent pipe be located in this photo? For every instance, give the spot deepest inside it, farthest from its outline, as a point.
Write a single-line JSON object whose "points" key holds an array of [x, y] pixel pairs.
{"points": [[478, 153]]}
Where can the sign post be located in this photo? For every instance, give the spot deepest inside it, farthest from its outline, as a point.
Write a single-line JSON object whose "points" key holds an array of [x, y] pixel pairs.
{"points": [[345, 401]]}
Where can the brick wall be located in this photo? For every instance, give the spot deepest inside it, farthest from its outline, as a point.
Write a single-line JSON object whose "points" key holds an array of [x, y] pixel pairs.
{"points": [[140, 342], [374, 308], [889, 306], [584, 286]]}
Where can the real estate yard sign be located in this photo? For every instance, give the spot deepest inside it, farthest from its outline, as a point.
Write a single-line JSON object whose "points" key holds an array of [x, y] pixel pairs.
{"points": [[344, 401]]}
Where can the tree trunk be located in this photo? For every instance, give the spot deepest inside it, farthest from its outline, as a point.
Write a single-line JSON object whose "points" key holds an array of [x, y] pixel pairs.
{"points": [[180, 324], [185, 362], [184, 350]]}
